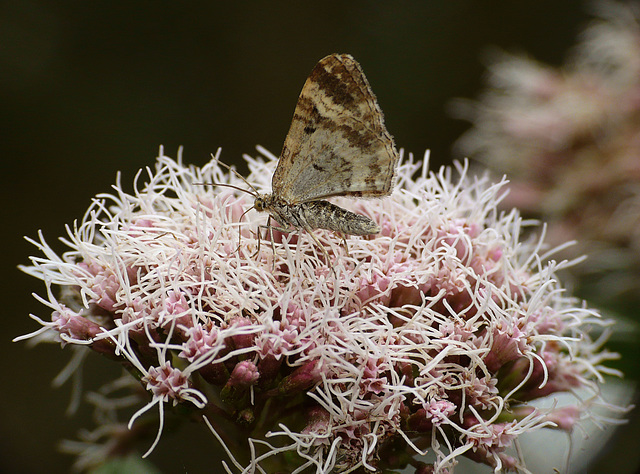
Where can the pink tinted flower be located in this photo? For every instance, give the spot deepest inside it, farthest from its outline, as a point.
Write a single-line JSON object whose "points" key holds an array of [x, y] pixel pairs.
{"points": [[564, 418], [166, 382], [508, 344], [200, 340], [429, 338], [77, 327], [244, 374], [439, 411]]}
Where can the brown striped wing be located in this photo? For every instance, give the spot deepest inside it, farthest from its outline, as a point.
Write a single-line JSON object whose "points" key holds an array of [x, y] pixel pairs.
{"points": [[338, 144]]}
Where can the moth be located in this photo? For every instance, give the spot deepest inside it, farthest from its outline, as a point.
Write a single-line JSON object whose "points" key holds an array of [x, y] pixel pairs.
{"points": [[337, 145]]}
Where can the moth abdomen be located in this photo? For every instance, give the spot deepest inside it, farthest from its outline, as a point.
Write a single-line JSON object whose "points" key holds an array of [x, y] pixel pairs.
{"points": [[325, 215]]}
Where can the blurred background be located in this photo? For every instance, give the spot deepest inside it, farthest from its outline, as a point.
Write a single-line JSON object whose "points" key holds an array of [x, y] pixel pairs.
{"points": [[88, 89]]}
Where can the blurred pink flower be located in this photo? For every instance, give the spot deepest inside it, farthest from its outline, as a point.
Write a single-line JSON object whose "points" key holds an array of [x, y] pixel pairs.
{"points": [[569, 140]]}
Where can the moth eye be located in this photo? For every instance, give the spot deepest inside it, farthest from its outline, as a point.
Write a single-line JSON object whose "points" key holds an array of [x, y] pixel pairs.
{"points": [[258, 204]]}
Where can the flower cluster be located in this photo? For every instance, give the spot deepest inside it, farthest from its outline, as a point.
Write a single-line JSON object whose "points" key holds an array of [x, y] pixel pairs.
{"points": [[413, 347], [569, 139]]}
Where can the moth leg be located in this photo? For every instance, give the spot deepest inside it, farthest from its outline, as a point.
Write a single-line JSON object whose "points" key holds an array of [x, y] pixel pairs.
{"points": [[165, 233], [319, 244], [243, 214], [260, 227], [271, 229], [240, 240], [344, 242], [273, 246], [258, 234]]}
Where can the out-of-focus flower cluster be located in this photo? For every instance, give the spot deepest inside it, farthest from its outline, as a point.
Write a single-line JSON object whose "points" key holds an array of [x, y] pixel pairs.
{"points": [[419, 345], [569, 140]]}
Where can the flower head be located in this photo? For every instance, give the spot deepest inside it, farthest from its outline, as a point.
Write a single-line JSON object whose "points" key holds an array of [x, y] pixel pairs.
{"points": [[431, 337]]}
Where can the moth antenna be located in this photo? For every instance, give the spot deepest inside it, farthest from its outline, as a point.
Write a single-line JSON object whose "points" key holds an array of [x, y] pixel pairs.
{"points": [[253, 192], [225, 185], [245, 212], [240, 232], [232, 170], [237, 189]]}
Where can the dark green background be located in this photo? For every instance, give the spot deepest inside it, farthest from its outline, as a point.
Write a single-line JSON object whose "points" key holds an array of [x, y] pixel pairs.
{"points": [[89, 88]]}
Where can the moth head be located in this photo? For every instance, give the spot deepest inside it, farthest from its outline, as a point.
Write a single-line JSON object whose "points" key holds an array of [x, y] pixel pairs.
{"points": [[262, 202]]}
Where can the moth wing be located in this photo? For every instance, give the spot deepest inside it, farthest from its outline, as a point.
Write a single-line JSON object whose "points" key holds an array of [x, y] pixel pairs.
{"points": [[338, 143]]}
